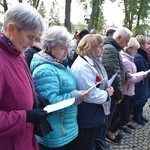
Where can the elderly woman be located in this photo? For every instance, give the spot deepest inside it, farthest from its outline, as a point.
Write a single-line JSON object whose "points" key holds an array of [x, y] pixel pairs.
{"points": [[88, 68], [141, 88], [128, 101], [56, 82], [21, 26]]}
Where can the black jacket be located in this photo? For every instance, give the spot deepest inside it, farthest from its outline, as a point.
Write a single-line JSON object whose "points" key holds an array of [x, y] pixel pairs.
{"points": [[112, 62], [29, 54]]}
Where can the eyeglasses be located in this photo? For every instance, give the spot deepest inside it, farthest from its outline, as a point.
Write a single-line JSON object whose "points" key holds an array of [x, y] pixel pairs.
{"points": [[65, 48]]}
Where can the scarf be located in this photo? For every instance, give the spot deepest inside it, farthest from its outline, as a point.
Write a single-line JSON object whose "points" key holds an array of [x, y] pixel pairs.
{"points": [[102, 72]]}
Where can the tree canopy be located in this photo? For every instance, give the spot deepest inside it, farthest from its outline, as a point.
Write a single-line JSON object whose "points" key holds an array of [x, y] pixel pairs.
{"points": [[136, 13]]}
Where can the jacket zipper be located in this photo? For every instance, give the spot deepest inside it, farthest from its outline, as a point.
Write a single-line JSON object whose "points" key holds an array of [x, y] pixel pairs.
{"points": [[61, 123]]}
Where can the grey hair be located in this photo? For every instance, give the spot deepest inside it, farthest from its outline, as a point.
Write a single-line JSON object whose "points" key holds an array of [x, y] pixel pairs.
{"points": [[122, 31], [141, 39], [24, 17], [133, 43], [54, 36]]}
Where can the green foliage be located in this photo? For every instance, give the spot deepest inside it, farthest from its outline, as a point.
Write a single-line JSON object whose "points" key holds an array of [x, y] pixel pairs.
{"points": [[53, 14], [101, 23], [34, 3], [76, 27], [1, 24], [130, 10], [42, 10], [97, 17], [142, 30], [136, 15]]}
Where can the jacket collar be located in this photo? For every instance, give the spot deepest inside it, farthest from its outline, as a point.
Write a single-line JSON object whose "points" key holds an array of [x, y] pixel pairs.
{"points": [[114, 43], [7, 46], [143, 53]]}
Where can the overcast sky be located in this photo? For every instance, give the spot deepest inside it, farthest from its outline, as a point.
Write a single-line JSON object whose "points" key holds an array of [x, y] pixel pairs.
{"points": [[113, 13]]}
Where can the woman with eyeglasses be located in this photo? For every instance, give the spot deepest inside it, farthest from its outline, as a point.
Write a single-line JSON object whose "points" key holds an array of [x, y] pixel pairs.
{"points": [[93, 112], [56, 82]]}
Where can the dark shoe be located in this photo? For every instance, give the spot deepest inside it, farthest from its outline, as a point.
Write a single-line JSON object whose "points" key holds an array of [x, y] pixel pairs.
{"points": [[139, 121], [101, 145], [126, 130], [119, 136], [131, 126], [115, 141], [144, 119]]}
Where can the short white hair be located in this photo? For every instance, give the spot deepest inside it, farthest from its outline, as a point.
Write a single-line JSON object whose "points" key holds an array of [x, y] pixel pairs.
{"points": [[24, 17], [122, 31], [141, 39], [56, 35]]}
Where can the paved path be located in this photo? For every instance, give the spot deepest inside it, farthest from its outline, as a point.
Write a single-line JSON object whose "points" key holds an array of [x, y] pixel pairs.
{"points": [[140, 137]]}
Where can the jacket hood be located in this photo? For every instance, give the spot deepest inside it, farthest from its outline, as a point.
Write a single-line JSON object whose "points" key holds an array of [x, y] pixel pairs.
{"points": [[41, 58], [110, 40], [107, 40], [125, 55], [7, 45]]}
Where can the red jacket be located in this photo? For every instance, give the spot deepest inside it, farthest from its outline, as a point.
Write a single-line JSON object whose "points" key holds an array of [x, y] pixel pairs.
{"points": [[15, 98]]}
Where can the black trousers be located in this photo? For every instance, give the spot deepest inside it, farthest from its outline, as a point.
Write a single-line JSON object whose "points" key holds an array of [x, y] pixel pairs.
{"points": [[122, 113], [125, 108], [85, 139], [114, 122]]}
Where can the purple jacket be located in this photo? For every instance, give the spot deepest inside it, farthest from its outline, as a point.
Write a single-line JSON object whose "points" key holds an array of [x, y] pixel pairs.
{"points": [[15, 98], [129, 65]]}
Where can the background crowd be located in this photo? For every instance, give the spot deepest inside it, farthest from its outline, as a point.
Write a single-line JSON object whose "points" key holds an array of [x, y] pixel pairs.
{"points": [[42, 68]]}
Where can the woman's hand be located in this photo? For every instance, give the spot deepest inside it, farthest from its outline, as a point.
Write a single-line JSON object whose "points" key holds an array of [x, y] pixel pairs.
{"points": [[110, 90], [127, 75], [84, 94]]}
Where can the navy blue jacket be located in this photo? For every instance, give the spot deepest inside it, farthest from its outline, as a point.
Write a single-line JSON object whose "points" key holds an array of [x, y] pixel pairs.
{"points": [[94, 117], [141, 88]]}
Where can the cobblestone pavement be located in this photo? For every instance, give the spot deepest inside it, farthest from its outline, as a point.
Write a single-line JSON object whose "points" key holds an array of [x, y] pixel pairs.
{"points": [[140, 137]]}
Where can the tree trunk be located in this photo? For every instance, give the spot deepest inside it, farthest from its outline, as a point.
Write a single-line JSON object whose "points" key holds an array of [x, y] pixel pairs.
{"points": [[139, 17], [20, 1], [5, 5], [126, 19], [131, 20], [67, 15], [91, 21], [37, 4], [97, 13]]}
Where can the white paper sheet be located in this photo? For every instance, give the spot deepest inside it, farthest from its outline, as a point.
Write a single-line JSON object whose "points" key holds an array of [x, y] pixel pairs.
{"points": [[62, 104], [141, 73], [96, 84], [110, 81]]}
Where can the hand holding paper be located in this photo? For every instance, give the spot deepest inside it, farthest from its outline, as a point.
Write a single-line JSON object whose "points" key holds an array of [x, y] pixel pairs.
{"points": [[110, 81], [96, 85], [59, 105], [141, 73], [110, 90]]}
